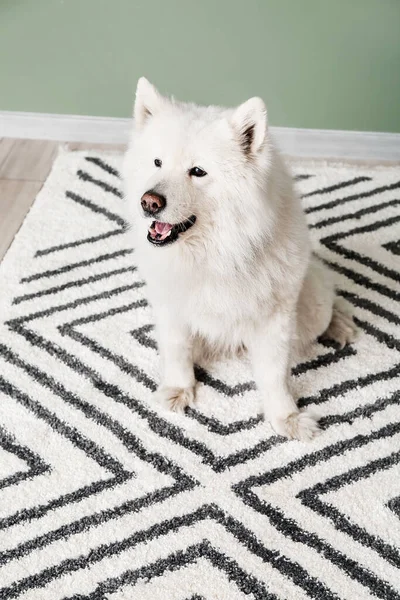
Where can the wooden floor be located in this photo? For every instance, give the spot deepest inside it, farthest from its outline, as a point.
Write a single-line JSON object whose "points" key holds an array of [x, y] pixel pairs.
{"points": [[24, 166]]}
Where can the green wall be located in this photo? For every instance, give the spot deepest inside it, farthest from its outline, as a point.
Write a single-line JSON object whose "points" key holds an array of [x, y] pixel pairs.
{"points": [[331, 64]]}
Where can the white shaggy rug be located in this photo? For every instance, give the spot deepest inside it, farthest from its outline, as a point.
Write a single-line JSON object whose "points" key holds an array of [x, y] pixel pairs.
{"points": [[105, 496]]}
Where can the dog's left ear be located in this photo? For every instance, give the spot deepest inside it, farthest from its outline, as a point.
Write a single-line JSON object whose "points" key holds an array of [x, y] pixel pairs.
{"points": [[147, 103], [250, 123]]}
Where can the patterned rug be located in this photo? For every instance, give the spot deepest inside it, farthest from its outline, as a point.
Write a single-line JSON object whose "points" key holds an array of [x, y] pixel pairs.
{"points": [[103, 495]]}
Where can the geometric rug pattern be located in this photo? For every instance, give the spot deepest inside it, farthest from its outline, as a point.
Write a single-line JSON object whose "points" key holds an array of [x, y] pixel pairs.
{"points": [[105, 495]]}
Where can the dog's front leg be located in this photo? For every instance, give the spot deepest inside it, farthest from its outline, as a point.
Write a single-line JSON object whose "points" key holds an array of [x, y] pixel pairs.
{"points": [[269, 348], [176, 390]]}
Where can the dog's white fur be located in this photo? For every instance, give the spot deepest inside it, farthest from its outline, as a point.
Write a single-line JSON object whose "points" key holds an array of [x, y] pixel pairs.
{"points": [[243, 275]]}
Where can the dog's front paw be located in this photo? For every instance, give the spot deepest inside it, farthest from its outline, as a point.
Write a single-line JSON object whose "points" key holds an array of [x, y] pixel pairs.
{"points": [[174, 398], [301, 426]]}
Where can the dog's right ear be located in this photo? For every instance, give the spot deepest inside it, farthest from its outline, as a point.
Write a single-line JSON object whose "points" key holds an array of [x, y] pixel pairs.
{"points": [[250, 123], [148, 101]]}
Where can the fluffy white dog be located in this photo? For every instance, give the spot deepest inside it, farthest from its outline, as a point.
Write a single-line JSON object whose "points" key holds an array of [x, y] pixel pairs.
{"points": [[222, 242]]}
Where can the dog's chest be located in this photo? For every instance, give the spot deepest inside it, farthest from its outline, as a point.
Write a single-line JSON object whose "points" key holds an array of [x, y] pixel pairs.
{"points": [[213, 304], [216, 307]]}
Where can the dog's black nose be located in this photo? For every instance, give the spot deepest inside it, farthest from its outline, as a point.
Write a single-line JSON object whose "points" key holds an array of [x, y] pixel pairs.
{"points": [[152, 202]]}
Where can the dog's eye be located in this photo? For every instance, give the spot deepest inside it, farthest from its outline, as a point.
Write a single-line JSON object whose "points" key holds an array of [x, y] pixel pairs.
{"points": [[197, 172], [157, 162]]}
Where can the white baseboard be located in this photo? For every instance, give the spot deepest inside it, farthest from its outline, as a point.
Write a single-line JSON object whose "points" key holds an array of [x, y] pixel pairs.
{"points": [[316, 143], [63, 128]]}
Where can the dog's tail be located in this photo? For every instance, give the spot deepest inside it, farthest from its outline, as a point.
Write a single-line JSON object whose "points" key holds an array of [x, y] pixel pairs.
{"points": [[341, 328]]}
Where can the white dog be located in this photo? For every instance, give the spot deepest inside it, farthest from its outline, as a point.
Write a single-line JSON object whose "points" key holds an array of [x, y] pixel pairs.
{"points": [[222, 242]]}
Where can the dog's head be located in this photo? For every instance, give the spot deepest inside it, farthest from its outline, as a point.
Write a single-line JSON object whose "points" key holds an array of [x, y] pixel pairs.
{"points": [[192, 171]]}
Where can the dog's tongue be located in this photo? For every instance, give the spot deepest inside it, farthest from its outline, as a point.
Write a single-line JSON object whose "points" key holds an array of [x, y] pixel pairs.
{"points": [[162, 228], [159, 231]]}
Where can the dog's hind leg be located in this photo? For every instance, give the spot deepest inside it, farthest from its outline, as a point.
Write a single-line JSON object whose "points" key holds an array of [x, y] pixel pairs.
{"points": [[341, 328], [320, 313], [314, 307]]}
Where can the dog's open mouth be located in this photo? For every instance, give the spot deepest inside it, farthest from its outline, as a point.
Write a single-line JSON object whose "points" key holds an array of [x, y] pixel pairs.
{"points": [[161, 234]]}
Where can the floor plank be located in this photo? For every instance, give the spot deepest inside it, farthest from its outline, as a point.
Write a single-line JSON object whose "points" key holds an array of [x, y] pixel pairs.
{"points": [[16, 197], [29, 160], [5, 148]]}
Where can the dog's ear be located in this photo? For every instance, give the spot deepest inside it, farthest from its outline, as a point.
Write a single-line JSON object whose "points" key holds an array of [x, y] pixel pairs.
{"points": [[148, 101], [250, 123]]}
